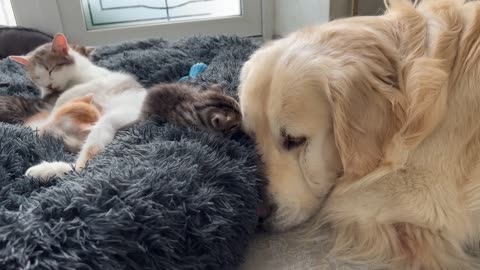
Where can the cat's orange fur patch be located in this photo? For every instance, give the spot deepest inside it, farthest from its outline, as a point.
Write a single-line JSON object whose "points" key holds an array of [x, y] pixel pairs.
{"points": [[80, 111]]}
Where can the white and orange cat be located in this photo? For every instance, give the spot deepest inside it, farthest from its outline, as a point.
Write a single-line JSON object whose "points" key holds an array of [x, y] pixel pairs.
{"points": [[56, 67]]}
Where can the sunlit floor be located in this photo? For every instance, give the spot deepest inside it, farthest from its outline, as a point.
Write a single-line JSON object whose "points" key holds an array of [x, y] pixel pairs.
{"points": [[289, 252]]}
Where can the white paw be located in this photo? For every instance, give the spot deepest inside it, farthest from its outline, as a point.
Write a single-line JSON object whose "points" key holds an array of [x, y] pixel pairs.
{"points": [[46, 170]]}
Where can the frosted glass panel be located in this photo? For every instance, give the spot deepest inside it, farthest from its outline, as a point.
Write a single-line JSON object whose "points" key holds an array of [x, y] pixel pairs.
{"points": [[116, 13]]}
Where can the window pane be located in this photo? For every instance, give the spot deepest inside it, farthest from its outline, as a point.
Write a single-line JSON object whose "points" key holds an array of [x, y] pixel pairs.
{"points": [[116, 13]]}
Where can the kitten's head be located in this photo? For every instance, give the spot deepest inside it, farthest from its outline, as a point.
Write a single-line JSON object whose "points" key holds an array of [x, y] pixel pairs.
{"points": [[51, 66], [74, 120], [219, 111]]}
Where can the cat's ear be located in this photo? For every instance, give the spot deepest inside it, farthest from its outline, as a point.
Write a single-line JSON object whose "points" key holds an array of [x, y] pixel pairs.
{"points": [[84, 127], [89, 50], [60, 44], [20, 59]]}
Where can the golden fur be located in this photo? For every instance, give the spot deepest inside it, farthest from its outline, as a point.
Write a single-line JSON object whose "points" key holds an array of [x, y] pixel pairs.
{"points": [[389, 107]]}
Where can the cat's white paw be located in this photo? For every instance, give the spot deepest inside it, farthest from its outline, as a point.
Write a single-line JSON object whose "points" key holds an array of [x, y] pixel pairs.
{"points": [[47, 170]]}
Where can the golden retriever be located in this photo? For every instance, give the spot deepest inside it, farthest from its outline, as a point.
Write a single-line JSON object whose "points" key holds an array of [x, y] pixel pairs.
{"points": [[372, 125]]}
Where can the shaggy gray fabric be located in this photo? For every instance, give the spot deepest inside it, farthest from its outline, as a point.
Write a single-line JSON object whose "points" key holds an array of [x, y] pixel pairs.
{"points": [[159, 197]]}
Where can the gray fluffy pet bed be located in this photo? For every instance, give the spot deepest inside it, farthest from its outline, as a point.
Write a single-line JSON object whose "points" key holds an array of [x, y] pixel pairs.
{"points": [[159, 197]]}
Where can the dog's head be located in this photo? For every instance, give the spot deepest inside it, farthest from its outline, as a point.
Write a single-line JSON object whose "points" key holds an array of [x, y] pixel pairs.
{"points": [[320, 104]]}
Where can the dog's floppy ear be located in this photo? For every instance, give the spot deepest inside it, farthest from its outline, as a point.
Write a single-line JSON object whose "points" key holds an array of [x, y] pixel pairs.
{"points": [[367, 109], [383, 109], [425, 80], [363, 121]]}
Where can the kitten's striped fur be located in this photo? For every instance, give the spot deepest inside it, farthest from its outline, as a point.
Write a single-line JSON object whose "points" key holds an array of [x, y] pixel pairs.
{"points": [[16, 109], [187, 105]]}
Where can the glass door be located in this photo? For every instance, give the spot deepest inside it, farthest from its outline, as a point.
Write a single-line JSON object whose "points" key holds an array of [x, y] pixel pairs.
{"points": [[96, 22]]}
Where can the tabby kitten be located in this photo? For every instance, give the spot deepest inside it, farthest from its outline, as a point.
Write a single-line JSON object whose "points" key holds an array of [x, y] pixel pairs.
{"points": [[187, 105]]}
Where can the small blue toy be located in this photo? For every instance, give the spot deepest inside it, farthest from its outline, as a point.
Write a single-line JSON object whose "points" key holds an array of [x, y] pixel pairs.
{"points": [[195, 70]]}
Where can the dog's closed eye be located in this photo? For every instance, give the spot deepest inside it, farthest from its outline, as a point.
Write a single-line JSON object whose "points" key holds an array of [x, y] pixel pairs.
{"points": [[290, 142]]}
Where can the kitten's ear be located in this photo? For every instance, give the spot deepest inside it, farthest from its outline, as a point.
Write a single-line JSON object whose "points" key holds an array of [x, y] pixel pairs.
{"points": [[20, 59], [60, 44], [86, 99], [222, 121], [84, 127], [89, 99], [216, 88]]}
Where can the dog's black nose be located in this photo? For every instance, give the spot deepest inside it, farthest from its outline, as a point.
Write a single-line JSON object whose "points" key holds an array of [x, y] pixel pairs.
{"points": [[264, 211]]}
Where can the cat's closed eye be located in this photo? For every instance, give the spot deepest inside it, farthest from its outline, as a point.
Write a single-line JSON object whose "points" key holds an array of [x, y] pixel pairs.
{"points": [[55, 67], [59, 65], [44, 66]]}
